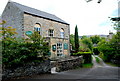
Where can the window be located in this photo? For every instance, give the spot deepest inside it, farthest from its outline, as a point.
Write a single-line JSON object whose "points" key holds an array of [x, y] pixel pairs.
{"points": [[62, 33], [59, 49], [51, 32], [37, 28]]}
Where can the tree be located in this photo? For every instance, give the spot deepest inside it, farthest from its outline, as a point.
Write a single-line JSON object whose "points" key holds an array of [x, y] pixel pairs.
{"points": [[116, 23], [16, 53], [115, 45], [72, 41], [76, 39], [111, 48], [87, 42], [83, 37], [95, 39]]}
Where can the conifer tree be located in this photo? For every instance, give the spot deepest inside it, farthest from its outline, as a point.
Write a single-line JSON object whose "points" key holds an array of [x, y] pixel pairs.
{"points": [[76, 39]]}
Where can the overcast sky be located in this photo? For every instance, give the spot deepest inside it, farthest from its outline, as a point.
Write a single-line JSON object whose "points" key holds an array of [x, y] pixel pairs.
{"points": [[91, 18]]}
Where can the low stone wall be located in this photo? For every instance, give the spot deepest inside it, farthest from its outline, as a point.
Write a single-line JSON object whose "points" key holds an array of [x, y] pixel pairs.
{"points": [[28, 70], [72, 63]]}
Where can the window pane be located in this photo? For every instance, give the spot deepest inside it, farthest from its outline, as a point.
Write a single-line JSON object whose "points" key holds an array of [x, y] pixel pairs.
{"points": [[51, 32]]}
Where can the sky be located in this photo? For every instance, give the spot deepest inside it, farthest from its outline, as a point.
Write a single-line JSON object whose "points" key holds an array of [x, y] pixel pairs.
{"points": [[91, 18]]}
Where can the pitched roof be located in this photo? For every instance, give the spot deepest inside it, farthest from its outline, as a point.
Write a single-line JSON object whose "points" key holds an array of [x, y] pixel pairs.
{"points": [[39, 13]]}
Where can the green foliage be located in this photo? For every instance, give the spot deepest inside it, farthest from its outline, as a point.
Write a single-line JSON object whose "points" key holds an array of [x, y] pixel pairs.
{"points": [[103, 47], [87, 65], [115, 45], [72, 41], [83, 37], [81, 53], [95, 39], [76, 39], [116, 23], [111, 48], [96, 51], [84, 48], [87, 42], [86, 56], [18, 52], [97, 59]]}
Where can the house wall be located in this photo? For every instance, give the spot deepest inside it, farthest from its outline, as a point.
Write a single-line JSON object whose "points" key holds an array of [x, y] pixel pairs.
{"points": [[14, 18], [54, 41], [30, 21]]}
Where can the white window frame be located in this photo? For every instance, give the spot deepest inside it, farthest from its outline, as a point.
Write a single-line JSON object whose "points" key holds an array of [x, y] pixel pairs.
{"points": [[37, 28], [59, 49], [62, 33]]}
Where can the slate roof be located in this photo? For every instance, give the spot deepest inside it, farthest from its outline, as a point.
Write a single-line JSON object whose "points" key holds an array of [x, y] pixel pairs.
{"points": [[39, 13]]}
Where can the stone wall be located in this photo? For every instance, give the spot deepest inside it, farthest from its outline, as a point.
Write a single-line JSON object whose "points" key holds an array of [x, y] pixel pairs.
{"points": [[14, 18], [27, 70], [46, 24], [31, 20], [72, 63], [54, 41]]}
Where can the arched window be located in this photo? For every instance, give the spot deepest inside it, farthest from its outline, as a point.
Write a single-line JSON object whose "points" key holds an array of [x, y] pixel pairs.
{"points": [[62, 33], [37, 27]]}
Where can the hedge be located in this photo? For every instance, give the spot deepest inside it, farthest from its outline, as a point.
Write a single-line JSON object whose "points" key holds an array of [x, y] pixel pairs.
{"points": [[87, 56]]}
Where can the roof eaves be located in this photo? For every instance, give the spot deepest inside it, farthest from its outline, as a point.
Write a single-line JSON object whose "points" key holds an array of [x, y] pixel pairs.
{"points": [[42, 15], [45, 18]]}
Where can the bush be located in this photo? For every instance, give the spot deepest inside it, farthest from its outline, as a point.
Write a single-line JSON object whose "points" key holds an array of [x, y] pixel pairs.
{"points": [[16, 53], [96, 51], [87, 56], [81, 53]]}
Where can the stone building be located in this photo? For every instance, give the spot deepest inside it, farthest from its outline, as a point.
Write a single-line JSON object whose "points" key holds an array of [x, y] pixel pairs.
{"points": [[27, 20]]}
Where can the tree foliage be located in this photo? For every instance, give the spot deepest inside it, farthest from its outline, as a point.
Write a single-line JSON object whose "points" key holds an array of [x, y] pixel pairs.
{"points": [[116, 23], [95, 39], [16, 53], [111, 48], [72, 41], [96, 51], [87, 42], [76, 39]]}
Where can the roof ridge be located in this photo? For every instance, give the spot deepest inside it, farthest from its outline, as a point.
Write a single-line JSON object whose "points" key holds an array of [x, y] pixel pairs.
{"points": [[38, 12], [31, 7]]}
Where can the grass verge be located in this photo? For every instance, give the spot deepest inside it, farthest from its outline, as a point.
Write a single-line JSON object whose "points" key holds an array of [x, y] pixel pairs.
{"points": [[97, 59], [88, 65], [111, 64]]}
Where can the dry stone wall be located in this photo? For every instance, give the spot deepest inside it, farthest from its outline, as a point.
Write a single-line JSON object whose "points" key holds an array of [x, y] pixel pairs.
{"points": [[27, 70], [64, 65]]}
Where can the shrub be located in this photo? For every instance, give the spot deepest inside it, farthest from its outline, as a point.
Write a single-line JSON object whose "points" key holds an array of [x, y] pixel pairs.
{"points": [[87, 56], [96, 51], [81, 53], [16, 53]]}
